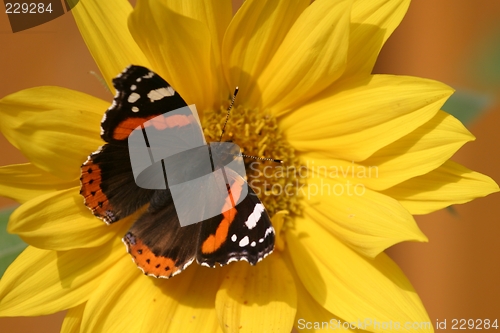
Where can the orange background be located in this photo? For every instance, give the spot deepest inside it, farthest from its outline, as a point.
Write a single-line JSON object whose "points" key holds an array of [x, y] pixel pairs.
{"points": [[456, 274]]}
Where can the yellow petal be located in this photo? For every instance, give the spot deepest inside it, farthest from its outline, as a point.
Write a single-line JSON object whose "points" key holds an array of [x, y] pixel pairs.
{"points": [[252, 38], [311, 316], [277, 221], [365, 220], [128, 301], [73, 319], [450, 184], [257, 299], [215, 15], [103, 25], [431, 145], [311, 57], [60, 221], [55, 128], [41, 282], [372, 22], [351, 286], [23, 182], [180, 50], [352, 121]]}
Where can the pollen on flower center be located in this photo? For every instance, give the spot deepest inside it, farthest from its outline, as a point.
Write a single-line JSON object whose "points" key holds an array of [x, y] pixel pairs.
{"points": [[278, 186]]}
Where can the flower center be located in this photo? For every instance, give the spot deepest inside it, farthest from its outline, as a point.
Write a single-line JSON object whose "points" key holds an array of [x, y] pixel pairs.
{"points": [[277, 185]]}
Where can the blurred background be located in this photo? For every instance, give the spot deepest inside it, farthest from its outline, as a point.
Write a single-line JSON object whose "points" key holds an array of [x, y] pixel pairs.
{"points": [[457, 273]]}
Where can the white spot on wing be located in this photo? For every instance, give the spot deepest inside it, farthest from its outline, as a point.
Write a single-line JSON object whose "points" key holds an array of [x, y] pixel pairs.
{"points": [[234, 237], [183, 267], [269, 231], [133, 87], [252, 220], [149, 75], [264, 256], [135, 109], [133, 97], [138, 80], [244, 241], [232, 260], [187, 264], [157, 94], [253, 244]]}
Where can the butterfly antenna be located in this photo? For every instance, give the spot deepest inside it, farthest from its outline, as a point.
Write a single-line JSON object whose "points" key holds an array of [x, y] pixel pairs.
{"points": [[228, 110], [100, 79], [262, 158]]}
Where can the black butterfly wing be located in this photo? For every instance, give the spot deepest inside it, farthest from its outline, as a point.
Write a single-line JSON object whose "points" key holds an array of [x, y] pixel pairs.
{"points": [[158, 244], [162, 248], [243, 232], [140, 96], [107, 183]]}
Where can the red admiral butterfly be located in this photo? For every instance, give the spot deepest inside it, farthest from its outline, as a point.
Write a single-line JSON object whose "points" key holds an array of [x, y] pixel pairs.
{"points": [[158, 244]]}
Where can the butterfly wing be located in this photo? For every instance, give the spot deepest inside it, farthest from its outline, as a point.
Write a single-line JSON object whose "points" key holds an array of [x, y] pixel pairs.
{"points": [[243, 232], [162, 248], [107, 182], [158, 244], [140, 96]]}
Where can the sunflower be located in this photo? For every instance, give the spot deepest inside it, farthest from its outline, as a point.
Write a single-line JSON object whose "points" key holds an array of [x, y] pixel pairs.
{"points": [[362, 154]]}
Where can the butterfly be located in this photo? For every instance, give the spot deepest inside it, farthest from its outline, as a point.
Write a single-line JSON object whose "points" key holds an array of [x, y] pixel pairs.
{"points": [[158, 244]]}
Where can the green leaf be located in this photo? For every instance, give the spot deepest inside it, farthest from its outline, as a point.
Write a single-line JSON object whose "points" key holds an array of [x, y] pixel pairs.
{"points": [[467, 105], [10, 245], [484, 66]]}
